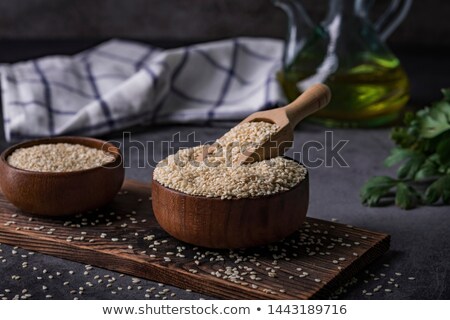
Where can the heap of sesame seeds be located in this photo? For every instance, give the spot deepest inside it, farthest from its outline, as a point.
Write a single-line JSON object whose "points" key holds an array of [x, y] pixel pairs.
{"points": [[59, 157], [219, 175], [248, 133]]}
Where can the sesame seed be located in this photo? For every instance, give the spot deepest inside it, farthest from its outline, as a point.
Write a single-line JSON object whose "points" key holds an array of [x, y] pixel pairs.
{"points": [[224, 178], [59, 157]]}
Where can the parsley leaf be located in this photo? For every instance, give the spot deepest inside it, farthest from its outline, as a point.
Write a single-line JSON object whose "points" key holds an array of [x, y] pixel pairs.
{"points": [[406, 196], [429, 169], [439, 189], [422, 153], [376, 188], [443, 150], [433, 121], [397, 155]]}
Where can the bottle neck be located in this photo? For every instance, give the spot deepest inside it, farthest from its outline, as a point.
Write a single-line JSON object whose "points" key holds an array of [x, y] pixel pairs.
{"points": [[347, 10]]}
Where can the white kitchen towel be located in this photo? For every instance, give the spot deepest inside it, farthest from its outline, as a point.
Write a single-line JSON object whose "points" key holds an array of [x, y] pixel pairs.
{"points": [[122, 83]]}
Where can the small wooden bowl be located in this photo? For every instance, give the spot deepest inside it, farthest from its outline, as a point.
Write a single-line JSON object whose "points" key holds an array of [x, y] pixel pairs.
{"points": [[61, 193], [230, 223]]}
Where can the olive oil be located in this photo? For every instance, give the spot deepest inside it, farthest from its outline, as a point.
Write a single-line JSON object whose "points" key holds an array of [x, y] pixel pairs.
{"points": [[366, 95]]}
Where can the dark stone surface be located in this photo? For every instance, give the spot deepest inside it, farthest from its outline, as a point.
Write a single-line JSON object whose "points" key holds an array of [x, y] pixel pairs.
{"points": [[420, 237]]}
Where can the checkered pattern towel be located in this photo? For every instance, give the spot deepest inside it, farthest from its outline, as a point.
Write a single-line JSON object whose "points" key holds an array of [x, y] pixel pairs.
{"points": [[121, 83]]}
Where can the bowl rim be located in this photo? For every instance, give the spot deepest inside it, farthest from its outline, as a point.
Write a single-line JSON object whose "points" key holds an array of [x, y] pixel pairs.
{"points": [[62, 139], [301, 182]]}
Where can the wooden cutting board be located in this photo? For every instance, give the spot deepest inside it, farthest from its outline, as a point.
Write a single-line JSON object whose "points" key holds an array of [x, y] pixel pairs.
{"points": [[125, 237]]}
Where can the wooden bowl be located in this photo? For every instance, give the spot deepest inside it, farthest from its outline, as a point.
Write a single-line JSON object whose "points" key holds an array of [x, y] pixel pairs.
{"points": [[230, 223], [61, 193]]}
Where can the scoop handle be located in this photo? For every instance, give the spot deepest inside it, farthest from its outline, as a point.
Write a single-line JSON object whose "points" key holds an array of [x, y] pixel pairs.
{"points": [[313, 99]]}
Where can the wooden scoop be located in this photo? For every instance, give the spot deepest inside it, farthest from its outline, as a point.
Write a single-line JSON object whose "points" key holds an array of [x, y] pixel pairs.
{"points": [[313, 99]]}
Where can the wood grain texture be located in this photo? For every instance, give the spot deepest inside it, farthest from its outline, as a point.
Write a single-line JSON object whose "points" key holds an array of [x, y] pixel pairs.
{"points": [[125, 237], [230, 223]]}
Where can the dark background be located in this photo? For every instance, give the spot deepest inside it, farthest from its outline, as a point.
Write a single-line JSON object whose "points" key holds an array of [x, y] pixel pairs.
{"points": [[193, 20], [33, 28]]}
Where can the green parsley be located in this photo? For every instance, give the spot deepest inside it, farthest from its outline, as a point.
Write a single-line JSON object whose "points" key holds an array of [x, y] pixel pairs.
{"points": [[422, 154]]}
